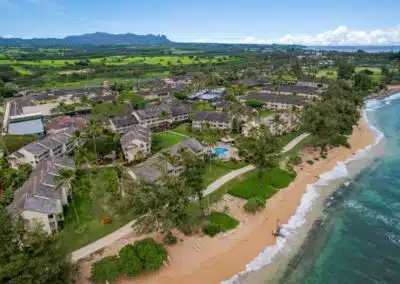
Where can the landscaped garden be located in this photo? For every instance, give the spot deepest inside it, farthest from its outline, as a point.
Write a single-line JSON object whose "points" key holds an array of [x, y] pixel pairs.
{"points": [[93, 200], [218, 222]]}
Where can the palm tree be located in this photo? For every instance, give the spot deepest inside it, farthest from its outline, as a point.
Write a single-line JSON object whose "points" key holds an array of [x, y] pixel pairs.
{"points": [[67, 176], [93, 130], [164, 116], [210, 137]]}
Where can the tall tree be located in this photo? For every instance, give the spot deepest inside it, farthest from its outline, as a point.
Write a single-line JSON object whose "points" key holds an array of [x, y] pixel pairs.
{"points": [[31, 256], [260, 149], [161, 205], [67, 177], [193, 175]]}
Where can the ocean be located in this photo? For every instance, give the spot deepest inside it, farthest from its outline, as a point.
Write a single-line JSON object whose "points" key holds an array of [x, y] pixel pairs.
{"points": [[352, 48], [347, 227]]}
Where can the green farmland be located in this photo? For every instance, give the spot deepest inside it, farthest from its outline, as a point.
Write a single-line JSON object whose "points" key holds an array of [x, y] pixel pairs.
{"points": [[123, 60]]}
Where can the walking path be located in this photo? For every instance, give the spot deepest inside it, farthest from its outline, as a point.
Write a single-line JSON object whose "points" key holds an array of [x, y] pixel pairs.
{"points": [[125, 230], [294, 142]]}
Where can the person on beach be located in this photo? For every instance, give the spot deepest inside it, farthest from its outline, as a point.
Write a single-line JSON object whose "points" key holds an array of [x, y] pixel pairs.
{"points": [[277, 231]]}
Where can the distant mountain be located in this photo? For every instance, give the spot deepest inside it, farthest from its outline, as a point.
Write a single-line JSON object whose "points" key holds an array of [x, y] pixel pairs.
{"points": [[98, 38]]}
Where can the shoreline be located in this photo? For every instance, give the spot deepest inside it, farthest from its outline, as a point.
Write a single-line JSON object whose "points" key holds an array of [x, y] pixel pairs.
{"points": [[222, 257]]}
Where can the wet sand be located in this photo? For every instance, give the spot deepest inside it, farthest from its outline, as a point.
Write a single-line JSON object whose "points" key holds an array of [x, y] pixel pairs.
{"points": [[201, 259]]}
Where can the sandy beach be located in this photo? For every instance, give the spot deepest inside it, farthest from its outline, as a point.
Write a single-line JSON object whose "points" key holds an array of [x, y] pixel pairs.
{"points": [[201, 259]]}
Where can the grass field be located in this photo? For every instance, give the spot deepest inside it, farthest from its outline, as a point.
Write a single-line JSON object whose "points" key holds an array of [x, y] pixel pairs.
{"points": [[123, 60], [91, 208], [164, 140], [15, 142], [22, 71], [285, 139], [332, 73], [203, 106], [183, 129], [248, 185], [219, 169], [327, 73]]}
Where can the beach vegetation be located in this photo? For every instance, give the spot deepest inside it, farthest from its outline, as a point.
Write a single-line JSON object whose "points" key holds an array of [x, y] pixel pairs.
{"points": [[143, 255], [254, 204], [218, 222], [211, 229], [105, 270], [310, 162], [295, 160]]}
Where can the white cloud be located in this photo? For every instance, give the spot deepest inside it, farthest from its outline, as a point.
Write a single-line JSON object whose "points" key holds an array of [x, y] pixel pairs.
{"points": [[342, 35], [202, 40]]}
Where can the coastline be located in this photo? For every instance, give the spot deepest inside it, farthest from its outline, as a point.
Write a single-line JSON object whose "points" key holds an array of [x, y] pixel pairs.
{"points": [[220, 258]]}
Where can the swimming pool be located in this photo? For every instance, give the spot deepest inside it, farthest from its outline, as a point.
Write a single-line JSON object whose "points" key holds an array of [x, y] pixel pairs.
{"points": [[219, 151]]}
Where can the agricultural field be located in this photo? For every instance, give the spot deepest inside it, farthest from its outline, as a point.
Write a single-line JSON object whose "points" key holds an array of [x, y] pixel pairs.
{"points": [[123, 60]]}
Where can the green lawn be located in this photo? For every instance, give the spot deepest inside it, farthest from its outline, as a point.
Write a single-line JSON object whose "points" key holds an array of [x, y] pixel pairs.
{"points": [[183, 129], [286, 138], [224, 221], [22, 71], [327, 73], [15, 142], [248, 185], [265, 112], [203, 106], [91, 208], [377, 72], [164, 140], [218, 169]]}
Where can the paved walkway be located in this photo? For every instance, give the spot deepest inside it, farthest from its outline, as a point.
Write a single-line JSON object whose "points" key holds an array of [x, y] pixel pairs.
{"points": [[294, 142], [125, 230]]}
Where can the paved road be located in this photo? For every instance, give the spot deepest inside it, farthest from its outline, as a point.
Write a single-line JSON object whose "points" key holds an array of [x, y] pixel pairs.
{"points": [[125, 230]]}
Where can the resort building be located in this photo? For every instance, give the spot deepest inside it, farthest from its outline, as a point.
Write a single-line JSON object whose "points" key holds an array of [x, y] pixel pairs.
{"points": [[179, 80], [55, 145], [290, 89], [277, 124], [136, 142], [122, 124], [64, 122], [159, 115], [208, 95], [214, 119], [277, 101], [152, 169], [40, 200]]}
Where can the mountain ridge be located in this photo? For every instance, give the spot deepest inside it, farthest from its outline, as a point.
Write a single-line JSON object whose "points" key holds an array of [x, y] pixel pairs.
{"points": [[97, 38]]}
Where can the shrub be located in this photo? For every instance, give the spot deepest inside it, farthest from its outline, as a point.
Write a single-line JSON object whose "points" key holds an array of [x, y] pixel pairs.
{"points": [[295, 160], [152, 254], [211, 229], [310, 162], [129, 262], [169, 239], [254, 204], [224, 221], [105, 269]]}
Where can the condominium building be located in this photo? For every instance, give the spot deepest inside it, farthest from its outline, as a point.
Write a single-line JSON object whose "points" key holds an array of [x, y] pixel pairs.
{"points": [[214, 119], [136, 142], [59, 144], [41, 199]]}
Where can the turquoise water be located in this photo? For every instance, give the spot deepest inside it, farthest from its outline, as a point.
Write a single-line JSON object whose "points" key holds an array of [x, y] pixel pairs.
{"points": [[219, 151], [357, 239]]}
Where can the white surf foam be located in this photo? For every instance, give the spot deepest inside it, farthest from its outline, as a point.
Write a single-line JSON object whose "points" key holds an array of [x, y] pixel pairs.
{"points": [[299, 218]]}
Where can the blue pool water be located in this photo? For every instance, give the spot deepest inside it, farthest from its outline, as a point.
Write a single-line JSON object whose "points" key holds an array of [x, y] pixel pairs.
{"points": [[219, 151]]}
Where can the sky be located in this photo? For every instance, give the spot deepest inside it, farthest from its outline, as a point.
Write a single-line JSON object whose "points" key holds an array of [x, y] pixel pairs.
{"points": [[309, 22]]}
